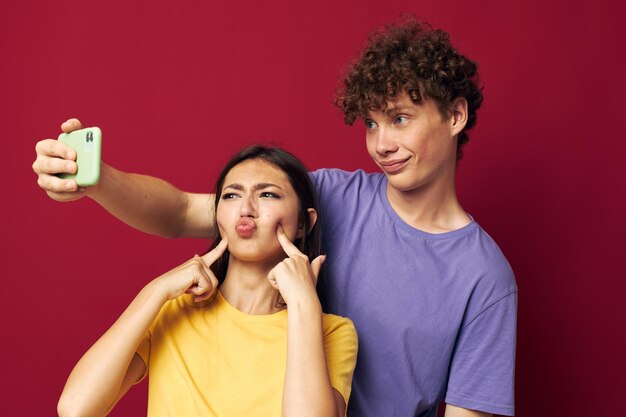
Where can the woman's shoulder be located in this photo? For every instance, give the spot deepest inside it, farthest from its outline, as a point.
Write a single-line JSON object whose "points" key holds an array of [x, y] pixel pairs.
{"points": [[184, 305], [340, 341], [337, 325]]}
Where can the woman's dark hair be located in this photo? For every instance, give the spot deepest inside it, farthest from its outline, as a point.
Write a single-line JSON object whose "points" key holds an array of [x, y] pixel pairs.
{"points": [[310, 243], [413, 58]]}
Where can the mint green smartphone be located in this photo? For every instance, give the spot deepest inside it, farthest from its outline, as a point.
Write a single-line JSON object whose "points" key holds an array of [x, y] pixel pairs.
{"points": [[88, 145]]}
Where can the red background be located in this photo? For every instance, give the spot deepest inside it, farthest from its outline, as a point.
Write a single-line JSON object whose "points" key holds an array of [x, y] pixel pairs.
{"points": [[178, 87]]}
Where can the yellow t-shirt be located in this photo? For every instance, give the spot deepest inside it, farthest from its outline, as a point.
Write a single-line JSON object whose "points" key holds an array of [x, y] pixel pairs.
{"points": [[214, 360]]}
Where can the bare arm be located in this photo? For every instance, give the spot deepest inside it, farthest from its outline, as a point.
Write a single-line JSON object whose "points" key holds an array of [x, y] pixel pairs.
{"points": [[152, 205], [143, 202], [454, 411], [109, 368], [307, 390]]}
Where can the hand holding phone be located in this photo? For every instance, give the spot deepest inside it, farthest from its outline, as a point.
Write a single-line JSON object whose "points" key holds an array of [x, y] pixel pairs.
{"points": [[88, 146]]}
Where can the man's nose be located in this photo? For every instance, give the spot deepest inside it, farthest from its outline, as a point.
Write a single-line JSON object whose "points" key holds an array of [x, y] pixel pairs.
{"points": [[385, 142]]}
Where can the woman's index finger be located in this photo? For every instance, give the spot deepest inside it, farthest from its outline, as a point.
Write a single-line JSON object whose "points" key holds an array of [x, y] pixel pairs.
{"points": [[215, 254], [289, 248]]}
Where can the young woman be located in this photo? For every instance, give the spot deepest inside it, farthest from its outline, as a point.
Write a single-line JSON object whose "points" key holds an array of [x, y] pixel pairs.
{"points": [[240, 330]]}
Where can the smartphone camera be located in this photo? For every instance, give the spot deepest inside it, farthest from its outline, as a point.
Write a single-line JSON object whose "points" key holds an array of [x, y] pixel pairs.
{"points": [[89, 141]]}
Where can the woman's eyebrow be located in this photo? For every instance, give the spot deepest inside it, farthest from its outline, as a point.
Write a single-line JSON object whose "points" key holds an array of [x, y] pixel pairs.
{"points": [[255, 187], [263, 185], [237, 187]]}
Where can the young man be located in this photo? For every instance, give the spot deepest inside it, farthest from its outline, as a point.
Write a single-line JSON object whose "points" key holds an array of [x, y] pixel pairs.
{"points": [[432, 297]]}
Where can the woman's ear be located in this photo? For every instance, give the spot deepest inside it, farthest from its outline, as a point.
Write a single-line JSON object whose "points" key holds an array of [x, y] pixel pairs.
{"points": [[312, 220]]}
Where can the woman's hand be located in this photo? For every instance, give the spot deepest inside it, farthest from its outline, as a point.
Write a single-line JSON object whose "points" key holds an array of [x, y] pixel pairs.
{"points": [[295, 277], [307, 384], [111, 366], [193, 277]]}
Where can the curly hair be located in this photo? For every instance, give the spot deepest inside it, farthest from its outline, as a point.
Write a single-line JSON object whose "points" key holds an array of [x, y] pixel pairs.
{"points": [[410, 57]]}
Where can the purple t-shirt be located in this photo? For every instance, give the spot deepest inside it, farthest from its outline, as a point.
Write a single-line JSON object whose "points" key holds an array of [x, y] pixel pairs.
{"points": [[435, 313]]}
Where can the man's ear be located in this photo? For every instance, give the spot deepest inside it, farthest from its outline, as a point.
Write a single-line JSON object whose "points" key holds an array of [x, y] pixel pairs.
{"points": [[459, 115], [312, 220]]}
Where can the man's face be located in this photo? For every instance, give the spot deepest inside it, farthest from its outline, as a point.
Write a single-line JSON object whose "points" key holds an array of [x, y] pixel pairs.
{"points": [[413, 144]]}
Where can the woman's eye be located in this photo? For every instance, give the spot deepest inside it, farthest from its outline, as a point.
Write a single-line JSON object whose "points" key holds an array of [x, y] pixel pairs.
{"points": [[228, 196], [267, 194]]}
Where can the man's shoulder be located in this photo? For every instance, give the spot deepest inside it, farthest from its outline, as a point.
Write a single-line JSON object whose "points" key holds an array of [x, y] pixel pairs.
{"points": [[487, 250], [343, 193], [336, 177], [485, 259]]}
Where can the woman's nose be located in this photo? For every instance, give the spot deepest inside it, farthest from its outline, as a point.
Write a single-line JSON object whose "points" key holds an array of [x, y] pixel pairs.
{"points": [[248, 207]]}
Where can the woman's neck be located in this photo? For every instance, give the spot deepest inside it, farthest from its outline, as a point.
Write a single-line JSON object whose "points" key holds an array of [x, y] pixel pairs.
{"points": [[247, 289]]}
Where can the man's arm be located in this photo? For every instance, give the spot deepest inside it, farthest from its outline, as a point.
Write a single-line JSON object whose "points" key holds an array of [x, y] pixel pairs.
{"points": [[146, 203], [152, 205], [453, 411]]}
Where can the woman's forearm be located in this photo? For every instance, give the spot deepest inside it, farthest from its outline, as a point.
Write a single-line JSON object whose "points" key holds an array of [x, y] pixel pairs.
{"points": [[110, 367], [152, 205], [95, 383], [307, 389]]}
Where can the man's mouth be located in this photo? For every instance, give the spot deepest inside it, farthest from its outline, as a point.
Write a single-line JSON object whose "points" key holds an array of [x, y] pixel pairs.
{"points": [[393, 165]]}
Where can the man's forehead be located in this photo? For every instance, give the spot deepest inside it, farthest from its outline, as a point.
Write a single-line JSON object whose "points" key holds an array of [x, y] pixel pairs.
{"points": [[394, 106]]}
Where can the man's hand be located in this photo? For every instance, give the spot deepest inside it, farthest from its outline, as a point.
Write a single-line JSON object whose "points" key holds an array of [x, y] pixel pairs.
{"points": [[54, 157]]}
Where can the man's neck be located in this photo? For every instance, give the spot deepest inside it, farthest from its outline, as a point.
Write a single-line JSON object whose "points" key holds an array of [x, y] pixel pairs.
{"points": [[432, 208]]}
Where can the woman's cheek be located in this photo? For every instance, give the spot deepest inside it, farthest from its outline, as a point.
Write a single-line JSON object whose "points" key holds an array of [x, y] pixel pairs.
{"points": [[221, 230], [221, 227], [290, 225]]}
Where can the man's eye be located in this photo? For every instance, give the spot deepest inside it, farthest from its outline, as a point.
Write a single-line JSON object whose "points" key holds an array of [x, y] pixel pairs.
{"points": [[370, 124], [267, 194], [400, 120]]}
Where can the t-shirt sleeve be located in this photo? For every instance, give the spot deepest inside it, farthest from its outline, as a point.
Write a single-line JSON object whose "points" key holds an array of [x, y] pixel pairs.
{"points": [[482, 371], [143, 350], [341, 192], [340, 346]]}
